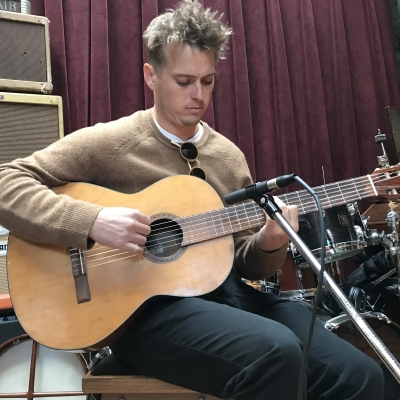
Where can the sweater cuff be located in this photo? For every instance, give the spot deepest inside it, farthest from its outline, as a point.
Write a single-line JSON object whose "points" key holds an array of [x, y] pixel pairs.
{"points": [[77, 222], [259, 264]]}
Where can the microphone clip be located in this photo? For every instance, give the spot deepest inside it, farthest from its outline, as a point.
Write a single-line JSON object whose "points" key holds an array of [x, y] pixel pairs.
{"points": [[268, 204]]}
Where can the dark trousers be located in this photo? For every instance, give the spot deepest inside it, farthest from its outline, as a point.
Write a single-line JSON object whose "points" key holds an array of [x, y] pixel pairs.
{"points": [[243, 344]]}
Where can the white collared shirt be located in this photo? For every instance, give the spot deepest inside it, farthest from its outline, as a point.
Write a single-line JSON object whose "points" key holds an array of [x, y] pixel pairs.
{"points": [[175, 139]]}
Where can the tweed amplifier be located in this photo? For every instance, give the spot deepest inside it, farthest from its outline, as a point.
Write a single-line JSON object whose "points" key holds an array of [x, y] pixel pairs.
{"points": [[29, 122], [25, 53]]}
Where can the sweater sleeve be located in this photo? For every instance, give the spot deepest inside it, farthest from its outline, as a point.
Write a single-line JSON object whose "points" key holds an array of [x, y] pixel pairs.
{"points": [[250, 261], [31, 210]]}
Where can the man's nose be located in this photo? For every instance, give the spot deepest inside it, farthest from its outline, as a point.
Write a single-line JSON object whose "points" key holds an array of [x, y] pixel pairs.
{"points": [[197, 91]]}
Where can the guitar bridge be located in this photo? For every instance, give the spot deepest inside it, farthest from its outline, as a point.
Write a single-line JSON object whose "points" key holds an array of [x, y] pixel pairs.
{"points": [[79, 273]]}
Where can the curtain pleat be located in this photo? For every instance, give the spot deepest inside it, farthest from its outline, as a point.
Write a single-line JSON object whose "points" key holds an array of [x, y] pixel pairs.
{"points": [[99, 71], [303, 89]]}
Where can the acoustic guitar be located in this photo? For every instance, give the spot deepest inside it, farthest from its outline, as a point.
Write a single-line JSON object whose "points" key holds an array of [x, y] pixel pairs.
{"points": [[71, 299]]}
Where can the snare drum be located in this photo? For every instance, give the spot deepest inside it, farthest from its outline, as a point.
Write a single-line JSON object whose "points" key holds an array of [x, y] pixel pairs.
{"points": [[387, 330], [344, 233], [55, 370], [292, 281], [296, 281]]}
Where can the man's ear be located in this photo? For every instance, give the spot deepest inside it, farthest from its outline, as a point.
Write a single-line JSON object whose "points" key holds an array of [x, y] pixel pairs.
{"points": [[149, 76]]}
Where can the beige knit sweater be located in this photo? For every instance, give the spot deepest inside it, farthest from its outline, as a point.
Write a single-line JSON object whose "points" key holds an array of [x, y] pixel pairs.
{"points": [[126, 155]]}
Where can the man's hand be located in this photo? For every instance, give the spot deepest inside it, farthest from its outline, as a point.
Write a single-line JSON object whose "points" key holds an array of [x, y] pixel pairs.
{"points": [[271, 236], [121, 228]]}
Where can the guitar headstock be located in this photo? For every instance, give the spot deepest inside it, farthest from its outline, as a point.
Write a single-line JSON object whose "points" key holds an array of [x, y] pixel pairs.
{"points": [[387, 182]]}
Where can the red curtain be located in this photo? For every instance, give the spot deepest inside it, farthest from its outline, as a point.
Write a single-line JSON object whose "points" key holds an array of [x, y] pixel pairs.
{"points": [[304, 87]]}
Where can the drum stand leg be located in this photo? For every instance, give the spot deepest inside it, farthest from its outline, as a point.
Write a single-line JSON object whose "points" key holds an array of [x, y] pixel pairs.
{"points": [[32, 372], [300, 278]]}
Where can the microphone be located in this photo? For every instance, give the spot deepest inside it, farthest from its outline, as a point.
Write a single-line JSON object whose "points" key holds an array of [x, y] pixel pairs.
{"points": [[259, 188]]}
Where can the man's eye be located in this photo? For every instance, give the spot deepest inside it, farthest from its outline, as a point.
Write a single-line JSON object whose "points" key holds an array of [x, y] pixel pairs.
{"points": [[207, 82], [182, 83]]}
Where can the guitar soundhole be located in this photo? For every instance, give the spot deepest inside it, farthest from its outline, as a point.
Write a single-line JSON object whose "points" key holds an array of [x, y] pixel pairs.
{"points": [[164, 242]]}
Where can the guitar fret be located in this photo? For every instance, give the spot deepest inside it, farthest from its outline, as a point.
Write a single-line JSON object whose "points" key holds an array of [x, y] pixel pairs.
{"points": [[191, 230], [221, 221], [226, 220], [237, 218], [210, 225], [217, 224], [367, 189], [302, 206], [201, 232], [244, 216], [246, 222], [234, 219], [356, 190]]}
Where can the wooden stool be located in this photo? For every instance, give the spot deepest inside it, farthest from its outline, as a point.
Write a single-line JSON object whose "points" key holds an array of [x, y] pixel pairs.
{"points": [[124, 385]]}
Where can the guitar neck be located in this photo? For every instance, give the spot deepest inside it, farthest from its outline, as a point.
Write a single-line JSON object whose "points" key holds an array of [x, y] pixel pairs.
{"points": [[239, 217], [332, 194]]}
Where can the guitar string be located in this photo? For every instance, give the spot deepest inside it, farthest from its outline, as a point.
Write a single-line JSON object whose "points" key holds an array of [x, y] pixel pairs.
{"points": [[110, 250], [331, 200], [302, 193], [375, 178], [112, 256], [206, 221], [206, 218]]}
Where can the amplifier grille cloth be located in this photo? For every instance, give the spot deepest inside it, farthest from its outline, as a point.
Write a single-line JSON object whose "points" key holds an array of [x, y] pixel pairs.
{"points": [[25, 128], [3, 268], [23, 51]]}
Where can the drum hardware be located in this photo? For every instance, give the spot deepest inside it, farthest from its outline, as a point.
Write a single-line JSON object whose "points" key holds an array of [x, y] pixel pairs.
{"points": [[391, 244], [345, 233], [383, 160], [383, 326], [374, 306], [99, 356], [303, 292], [374, 341], [263, 285]]}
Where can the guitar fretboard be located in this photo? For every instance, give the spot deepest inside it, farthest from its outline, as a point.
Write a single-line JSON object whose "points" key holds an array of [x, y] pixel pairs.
{"points": [[209, 225]]}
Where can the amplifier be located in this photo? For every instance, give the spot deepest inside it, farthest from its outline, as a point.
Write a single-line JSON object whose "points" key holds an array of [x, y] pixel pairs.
{"points": [[29, 122], [25, 53]]}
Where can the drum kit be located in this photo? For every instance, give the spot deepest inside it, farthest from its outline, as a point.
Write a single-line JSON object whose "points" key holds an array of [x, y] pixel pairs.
{"points": [[349, 239]]}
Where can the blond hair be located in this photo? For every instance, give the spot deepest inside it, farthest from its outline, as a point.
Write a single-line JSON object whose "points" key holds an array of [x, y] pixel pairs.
{"points": [[189, 24]]}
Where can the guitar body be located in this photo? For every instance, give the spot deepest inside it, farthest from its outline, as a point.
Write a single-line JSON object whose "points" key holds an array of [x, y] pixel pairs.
{"points": [[42, 285]]}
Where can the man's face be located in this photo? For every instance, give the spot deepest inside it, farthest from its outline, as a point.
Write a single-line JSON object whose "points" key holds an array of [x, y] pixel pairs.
{"points": [[183, 89]]}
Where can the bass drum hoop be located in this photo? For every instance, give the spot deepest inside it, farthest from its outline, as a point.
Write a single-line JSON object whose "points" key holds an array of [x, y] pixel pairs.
{"points": [[8, 344], [387, 330]]}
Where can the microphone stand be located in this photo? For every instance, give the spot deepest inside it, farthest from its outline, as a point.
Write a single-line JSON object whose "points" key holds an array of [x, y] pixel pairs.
{"points": [[268, 204]]}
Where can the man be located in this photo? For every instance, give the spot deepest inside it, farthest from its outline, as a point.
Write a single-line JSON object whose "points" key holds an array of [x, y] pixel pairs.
{"points": [[235, 342]]}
